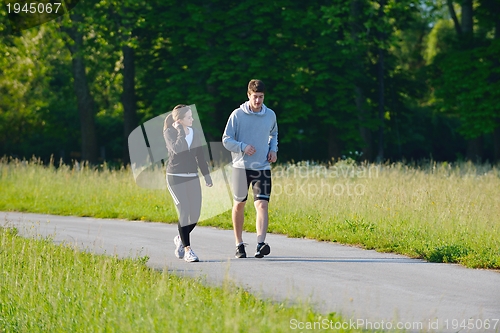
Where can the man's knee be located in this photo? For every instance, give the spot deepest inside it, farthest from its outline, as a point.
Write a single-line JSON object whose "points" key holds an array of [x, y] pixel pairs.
{"points": [[239, 204], [261, 204]]}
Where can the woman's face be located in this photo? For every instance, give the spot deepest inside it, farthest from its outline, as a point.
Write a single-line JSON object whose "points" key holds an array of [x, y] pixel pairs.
{"points": [[187, 121]]}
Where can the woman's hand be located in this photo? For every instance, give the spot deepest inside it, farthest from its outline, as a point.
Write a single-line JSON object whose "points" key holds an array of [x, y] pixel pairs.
{"points": [[176, 124]]}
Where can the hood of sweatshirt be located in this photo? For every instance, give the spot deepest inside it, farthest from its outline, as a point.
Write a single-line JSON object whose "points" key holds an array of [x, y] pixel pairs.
{"points": [[246, 108]]}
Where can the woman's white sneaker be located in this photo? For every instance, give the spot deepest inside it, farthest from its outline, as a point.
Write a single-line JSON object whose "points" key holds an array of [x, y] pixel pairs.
{"points": [[179, 248], [189, 256]]}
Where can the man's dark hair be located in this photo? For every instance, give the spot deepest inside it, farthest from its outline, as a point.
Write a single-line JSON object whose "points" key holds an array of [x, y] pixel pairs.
{"points": [[256, 86]]}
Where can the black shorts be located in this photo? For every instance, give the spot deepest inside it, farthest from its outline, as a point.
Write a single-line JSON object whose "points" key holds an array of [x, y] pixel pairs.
{"points": [[260, 180]]}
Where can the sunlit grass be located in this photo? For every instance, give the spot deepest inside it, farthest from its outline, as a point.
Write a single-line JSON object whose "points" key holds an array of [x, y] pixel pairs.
{"points": [[82, 191], [439, 212], [56, 288]]}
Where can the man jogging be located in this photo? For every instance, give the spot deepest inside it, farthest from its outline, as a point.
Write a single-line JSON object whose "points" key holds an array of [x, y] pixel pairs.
{"points": [[251, 135]]}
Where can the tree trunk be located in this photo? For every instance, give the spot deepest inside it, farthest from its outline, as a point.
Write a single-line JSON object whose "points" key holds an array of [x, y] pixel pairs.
{"points": [[453, 14], [467, 18], [380, 76], [496, 142], [497, 29], [214, 117], [333, 144], [84, 98], [128, 98], [496, 132], [474, 146], [465, 32], [365, 133], [475, 149]]}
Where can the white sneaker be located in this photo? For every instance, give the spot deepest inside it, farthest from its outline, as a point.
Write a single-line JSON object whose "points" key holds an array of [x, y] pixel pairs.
{"points": [[190, 256], [179, 248]]}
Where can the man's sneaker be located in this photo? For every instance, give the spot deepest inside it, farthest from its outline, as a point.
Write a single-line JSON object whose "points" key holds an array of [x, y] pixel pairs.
{"points": [[190, 256], [263, 249], [179, 248], [240, 251]]}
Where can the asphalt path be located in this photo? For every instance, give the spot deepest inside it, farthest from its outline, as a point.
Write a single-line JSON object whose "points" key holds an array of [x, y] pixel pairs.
{"points": [[369, 289]]}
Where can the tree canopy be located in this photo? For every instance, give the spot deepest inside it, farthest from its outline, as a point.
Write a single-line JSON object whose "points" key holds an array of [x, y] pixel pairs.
{"points": [[370, 80]]}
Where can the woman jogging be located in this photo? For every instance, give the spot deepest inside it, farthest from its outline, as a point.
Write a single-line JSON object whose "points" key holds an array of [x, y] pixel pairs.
{"points": [[185, 156]]}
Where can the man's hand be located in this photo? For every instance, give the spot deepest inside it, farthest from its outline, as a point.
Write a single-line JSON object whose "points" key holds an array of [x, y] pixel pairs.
{"points": [[249, 150], [272, 156]]}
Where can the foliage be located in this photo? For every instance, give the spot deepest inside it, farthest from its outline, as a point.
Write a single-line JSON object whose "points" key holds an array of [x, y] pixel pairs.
{"points": [[319, 61], [465, 87], [36, 111]]}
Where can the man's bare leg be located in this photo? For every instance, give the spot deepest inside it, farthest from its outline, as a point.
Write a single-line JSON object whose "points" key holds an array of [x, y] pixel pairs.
{"points": [[238, 215], [262, 219]]}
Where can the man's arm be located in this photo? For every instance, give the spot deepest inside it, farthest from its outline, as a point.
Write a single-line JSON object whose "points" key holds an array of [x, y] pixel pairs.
{"points": [[229, 137], [273, 138], [272, 156]]}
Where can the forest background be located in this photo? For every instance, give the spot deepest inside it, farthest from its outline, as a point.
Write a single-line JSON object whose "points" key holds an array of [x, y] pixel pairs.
{"points": [[369, 80]]}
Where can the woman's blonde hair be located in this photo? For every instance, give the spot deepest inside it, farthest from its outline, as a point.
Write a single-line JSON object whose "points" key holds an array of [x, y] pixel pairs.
{"points": [[179, 112]]}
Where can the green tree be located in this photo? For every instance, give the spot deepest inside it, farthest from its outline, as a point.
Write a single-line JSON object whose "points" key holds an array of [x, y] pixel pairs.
{"points": [[37, 113], [465, 76], [115, 28], [73, 27], [370, 35]]}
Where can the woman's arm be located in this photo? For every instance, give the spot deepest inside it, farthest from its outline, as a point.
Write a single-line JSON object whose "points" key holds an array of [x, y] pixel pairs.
{"points": [[200, 159], [175, 140]]}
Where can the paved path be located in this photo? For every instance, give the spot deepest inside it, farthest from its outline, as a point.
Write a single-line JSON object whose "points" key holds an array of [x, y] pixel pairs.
{"points": [[366, 287]]}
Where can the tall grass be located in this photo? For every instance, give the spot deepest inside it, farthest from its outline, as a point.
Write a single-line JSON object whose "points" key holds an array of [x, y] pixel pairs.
{"points": [[438, 211], [56, 288], [103, 192]]}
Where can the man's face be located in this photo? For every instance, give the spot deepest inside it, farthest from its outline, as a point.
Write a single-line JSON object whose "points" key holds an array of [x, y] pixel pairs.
{"points": [[256, 100]]}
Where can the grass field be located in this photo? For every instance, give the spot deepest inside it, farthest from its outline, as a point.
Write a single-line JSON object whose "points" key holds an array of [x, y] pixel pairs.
{"points": [[438, 212], [56, 288]]}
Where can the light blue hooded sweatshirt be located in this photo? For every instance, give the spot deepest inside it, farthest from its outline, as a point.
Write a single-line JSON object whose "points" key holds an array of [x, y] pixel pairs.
{"points": [[259, 129]]}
